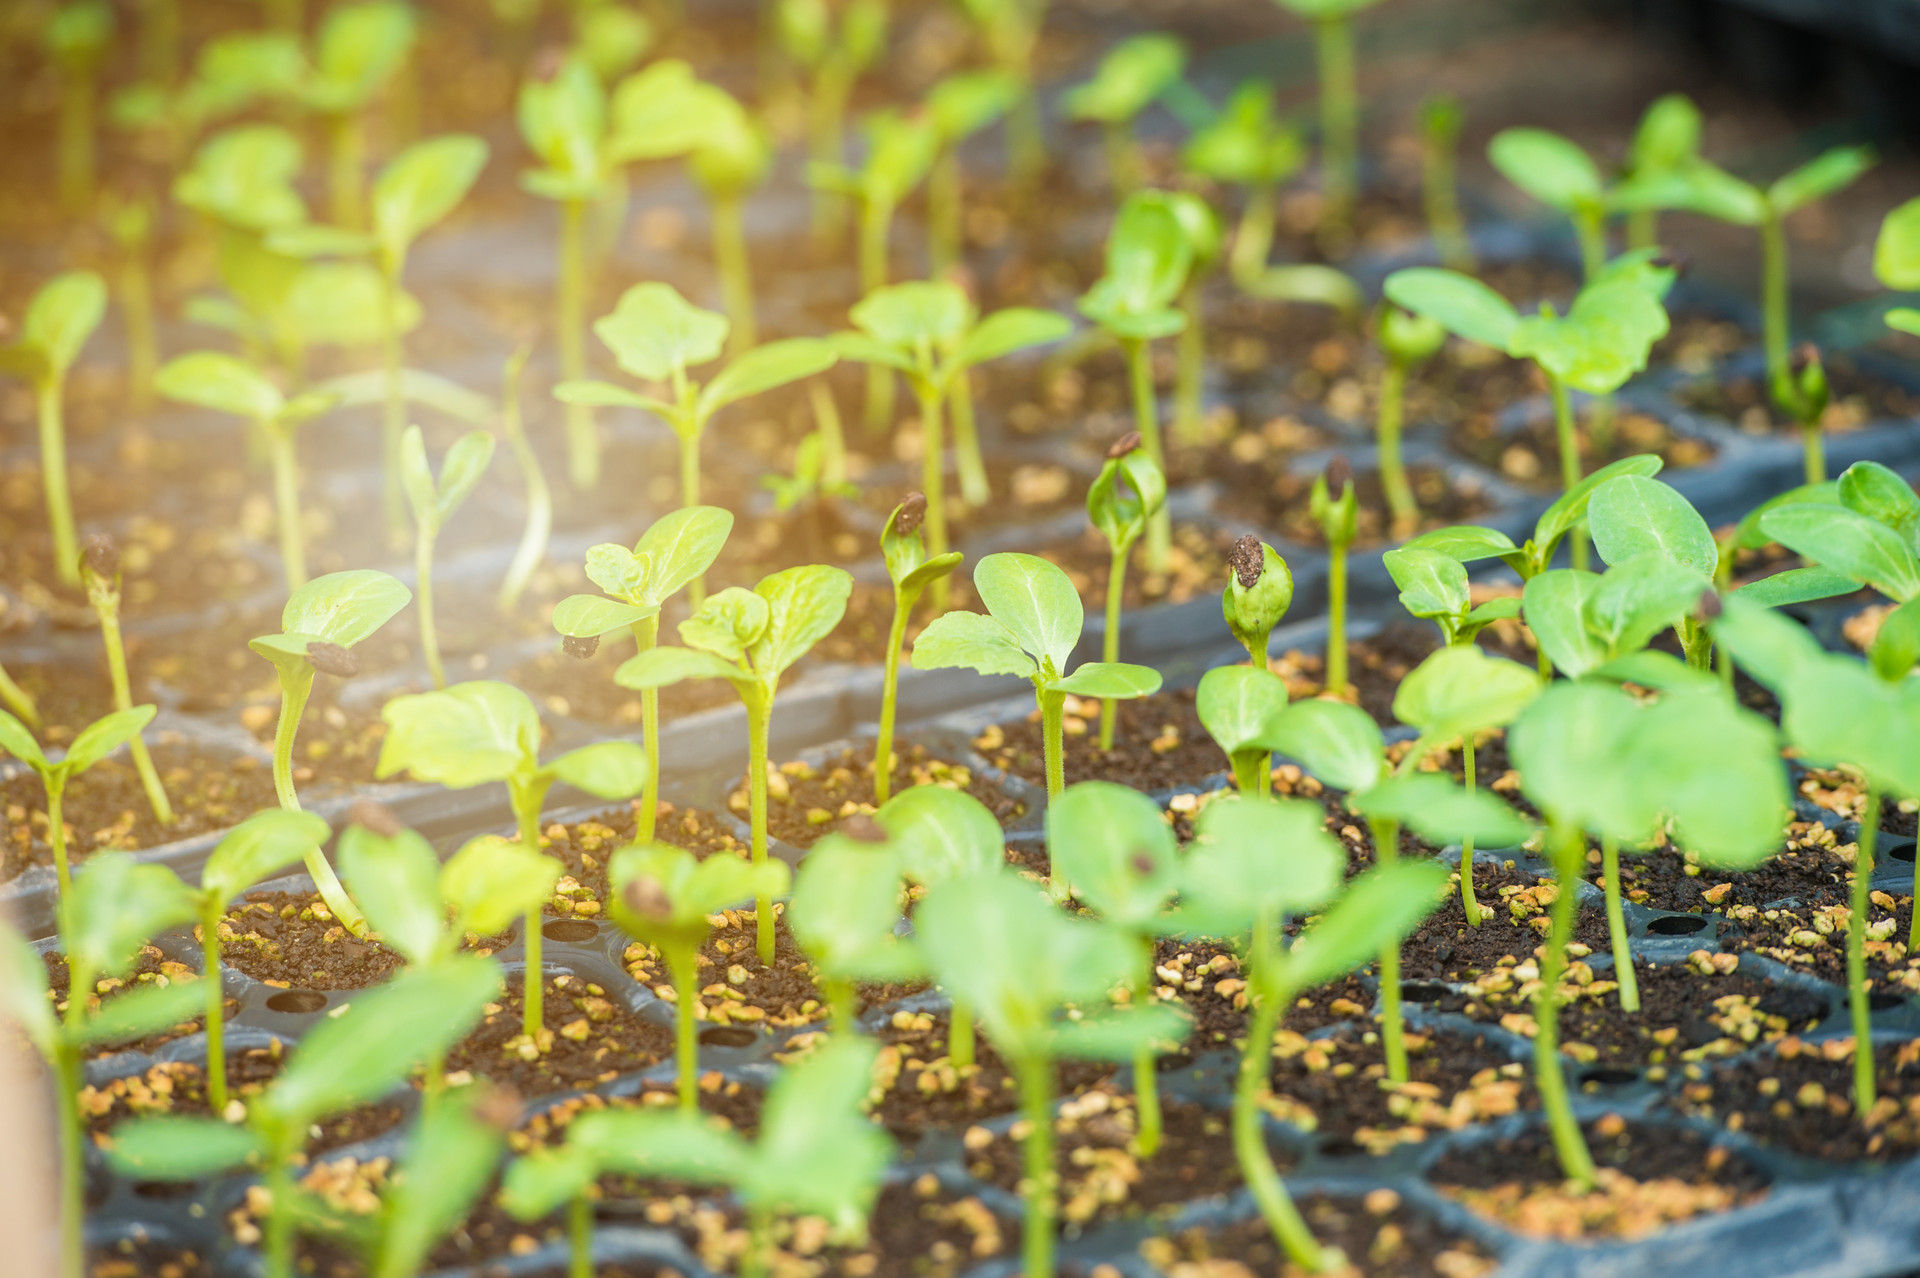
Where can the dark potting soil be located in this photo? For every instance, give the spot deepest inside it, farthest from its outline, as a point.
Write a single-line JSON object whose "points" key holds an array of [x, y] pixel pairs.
{"points": [[1333, 1086], [1444, 948], [1159, 744], [1813, 939], [806, 801], [1378, 1235], [1799, 1097], [290, 940], [1272, 496], [1858, 399], [587, 1038], [1206, 978], [1377, 664], [584, 689], [1841, 793], [921, 1090], [1530, 455], [584, 847], [1807, 870], [144, 1257], [736, 988], [105, 808], [1649, 1178], [149, 968]]}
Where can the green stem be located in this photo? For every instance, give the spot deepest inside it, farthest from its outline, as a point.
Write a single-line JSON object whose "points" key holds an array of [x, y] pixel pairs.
{"points": [[19, 700], [1249, 1134], [843, 1006], [1026, 145], [1858, 1010], [1386, 851], [1549, 1072], [216, 1013], [1814, 448], [526, 810], [1036, 1104], [53, 478], [1189, 377], [295, 686], [1590, 228], [423, 598], [286, 502], [1441, 194], [1248, 767], [143, 341], [1393, 469], [583, 441], [826, 130], [1337, 618], [1253, 241], [933, 483], [107, 604], [160, 41], [77, 148], [686, 990], [945, 199], [1110, 641], [393, 424], [73, 1167], [889, 697], [279, 1223], [533, 542], [759, 725], [645, 634], [1146, 420], [758, 1262], [1774, 316], [1146, 1072], [580, 1236], [736, 273], [1125, 169], [876, 225], [833, 438], [1469, 904], [57, 834], [690, 497], [960, 1034], [1339, 123], [1617, 926], [1052, 714], [969, 465], [347, 157], [1570, 468]]}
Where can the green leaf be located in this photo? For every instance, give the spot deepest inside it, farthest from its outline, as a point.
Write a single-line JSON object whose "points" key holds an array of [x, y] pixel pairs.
{"points": [[224, 383], [1148, 258], [688, 890], [1715, 770], [1121, 510], [344, 607], [1766, 645], [416, 478], [1661, 671], [677, 548], [1306, 282], [1017, 328], [1573, 749], [1630, 516], [964, 103], [1555, 607], [340, 303], [118, 905], [1605, 339], [1113, 845], [492, 881], [23, 993], [905, 317], [244, 176], [359, 1053], [395, 879], [970, 641], [1896, 253], [1461, 690], [545, 1179], [359, 47], [17, 740], [1547, 166], [942, 834], [929, 572], [1116, 679], [1035, 601], [1439, 811], [728, 623], [846, 901], [812, 1107], [62, 316], [1668, 136], [591, 616], [1466, 542], [685, 1146], [663, 110], [605, 395], [605, 769], [460, 472], [257, 848], [1128, 79], [1461, 304], [1640, 597], [1880, 495], [139, 1011], [1432, 584], [1797, 585], [862, 349], [1820, 177], [180, 1148], [804, 605], [766, 368], [654, 332], [1339, 743], [1382, 907], [1896, 648], [451, 1155], [662, 667], [1240, 705], [421, 186], [461, 736], [1254, 856], [1848, 542], [103, 736], [1571, 506], [1118, 1034]]}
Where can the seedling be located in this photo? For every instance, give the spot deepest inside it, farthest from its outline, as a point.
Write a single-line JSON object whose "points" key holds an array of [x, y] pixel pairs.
{"points": [[835, 48], [129, 221], [359, 49], [113, 910], [995, 942], [486, 731], [656, 336], [808, 484], [343, 1062], [1407, 340], [1239, 706], [1667, 141], [931, 333], [321, 623], [1149, 257], [100, 569], [750, 638], [76, 38], [904, 546], [434, 499], [1254, 865], [1896, 261], [732, 157], [817, 1155], [1440, 121], [1113, 847], [1032, 625], [611, 37], [228, 384], [1339, 108], [59, 320], [1455, 691], [1597, 761], [845, 906], [1010, 29], [1245, 145], [1128, 492], [672, 553], [959, 106], [1128, 80], [1596, 347], [1555, 171], [1258, 593], [1866, 532], [93, 743], [1335, 506], [258, 848], [1207, 238]]}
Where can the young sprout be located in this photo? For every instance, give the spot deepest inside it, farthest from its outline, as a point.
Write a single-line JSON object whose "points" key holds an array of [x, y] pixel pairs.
{"points": [[1440, 121], [533, 541], [731, 159], [1896, 261], [1596, 761], [672, 553], [1113, 847], [1667, 141], [1455, 691], [129, 221], [1031, 628], [433, 501], [1864, 531], [258, 848], [835, 48], [931, 333], [359, 49], [1149, 257], [228, 384], [1128, 492], [1010, 30], [1002, 947], [810, 482], [1339, 109], [321, 623], [750, 638], [656, 335], [1407, 340], [343, 1062], [1244, 145], [93, 743], [611, 37], [1259, 591], [1596, 347], [904, 547], [76, 38], [1254, 865], [100, 570], [845, 906], [1128, 80], [817, 1155], [959, 106], [19, 700], [115, 908], [1555, 171], [486, 731], [59, 320], [1207, 238], [1335, 505]]}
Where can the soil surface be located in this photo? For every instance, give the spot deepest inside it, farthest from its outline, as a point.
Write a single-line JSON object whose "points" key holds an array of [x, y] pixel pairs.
{"points": [[290, 939], [1800, 1098], [806, 800], [587, 1038], [1378, 1234], [1159, 744], [922, 1090]]}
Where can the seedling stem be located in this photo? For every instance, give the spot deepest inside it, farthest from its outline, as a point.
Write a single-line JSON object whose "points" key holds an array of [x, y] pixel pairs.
{"points": [[1617, 926], [53, 476], [526, 800], [736, 274], [1548, 1071], [1569, 444], [1858, 1009], [1146, 420], [1339, 124], [932, 477], [103, 590], [1469, 903], [286, 500], [646, 633], [759, 716], [1036, 1103], [295, 687]]}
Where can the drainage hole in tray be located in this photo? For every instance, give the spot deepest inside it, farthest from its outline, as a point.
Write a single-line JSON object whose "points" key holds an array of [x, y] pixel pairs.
{"points": [[727, 1036], [164, 1190], [1609, 1076], [571, 931], [1677, 925], [299, 1002], [1425, 991], [1882, 1002], [1902, 853]]}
